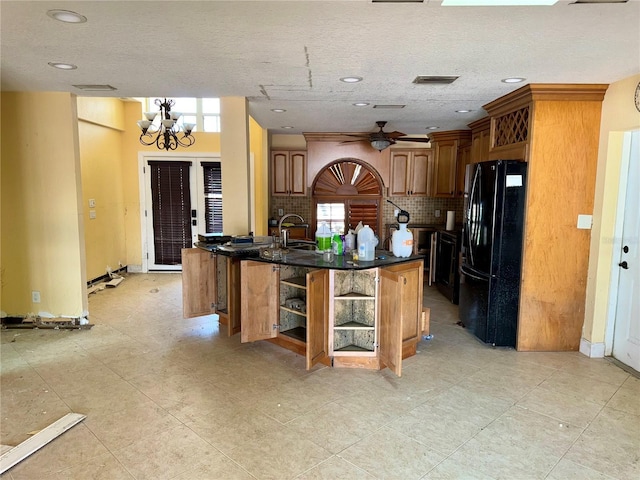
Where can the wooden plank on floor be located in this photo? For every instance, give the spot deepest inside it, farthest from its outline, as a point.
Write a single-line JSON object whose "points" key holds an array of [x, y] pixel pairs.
{"points": [[39, 440]]}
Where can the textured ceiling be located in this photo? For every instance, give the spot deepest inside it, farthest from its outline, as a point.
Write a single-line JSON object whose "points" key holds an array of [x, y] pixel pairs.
{"points": [[291, 54]]}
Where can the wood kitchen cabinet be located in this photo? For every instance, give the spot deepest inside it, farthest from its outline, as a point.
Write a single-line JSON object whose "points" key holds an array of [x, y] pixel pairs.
{"points": [[210, 284], [286, 305], [556, 129], [480, 139], [400, 312], [410, 172], [445, 166], [289, 173], [464, 159]]}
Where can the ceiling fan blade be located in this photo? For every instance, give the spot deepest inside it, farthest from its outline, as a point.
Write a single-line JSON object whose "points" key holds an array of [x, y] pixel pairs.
{"points": [[413, 139], [357, 135], [354, 141], [394, 135]]}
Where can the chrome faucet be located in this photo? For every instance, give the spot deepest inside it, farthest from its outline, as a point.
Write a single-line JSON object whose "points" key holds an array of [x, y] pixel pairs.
{"points": [[283, 237]]}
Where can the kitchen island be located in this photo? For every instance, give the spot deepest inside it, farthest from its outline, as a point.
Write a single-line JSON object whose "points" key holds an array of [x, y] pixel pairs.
{"points": [[339, 313]]}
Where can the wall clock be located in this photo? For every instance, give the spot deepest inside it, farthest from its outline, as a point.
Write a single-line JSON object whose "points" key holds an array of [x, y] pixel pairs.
{"points": [[637, 97]]}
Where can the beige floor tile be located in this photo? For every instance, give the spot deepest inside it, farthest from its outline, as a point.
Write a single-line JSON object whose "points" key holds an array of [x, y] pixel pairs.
{"points": [[143, 369], [627, 398], [74, 447], [280, 455], [335, 468], [569, 409], [610, 445], [568, 470], [122, 427], [103, 467], [165, 455], [579, 386], [392, 455]]}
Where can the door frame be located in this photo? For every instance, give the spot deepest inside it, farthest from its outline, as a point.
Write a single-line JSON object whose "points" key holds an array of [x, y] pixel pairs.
{"points": [[617, 241], [196, 158]]}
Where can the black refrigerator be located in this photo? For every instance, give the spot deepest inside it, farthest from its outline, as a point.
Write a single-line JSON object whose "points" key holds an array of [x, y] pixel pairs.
{"points": [[491, 261]]}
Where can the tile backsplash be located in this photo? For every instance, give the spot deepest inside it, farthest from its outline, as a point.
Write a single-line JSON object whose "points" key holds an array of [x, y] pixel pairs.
{"points": [[421, 209]]}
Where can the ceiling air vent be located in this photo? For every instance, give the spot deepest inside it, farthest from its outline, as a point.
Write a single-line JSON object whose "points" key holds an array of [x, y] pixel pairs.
{"points": [[434, 79], [389, 106], [96, 88]]}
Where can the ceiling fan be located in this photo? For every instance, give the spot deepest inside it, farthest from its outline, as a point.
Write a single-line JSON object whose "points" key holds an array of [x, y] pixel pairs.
{"points": [[381, 139]]}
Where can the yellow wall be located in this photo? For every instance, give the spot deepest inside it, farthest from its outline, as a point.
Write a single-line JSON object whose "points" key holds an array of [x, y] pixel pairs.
{"points": [[100, 121], [260, 148], [42, 222], [618, 115]]}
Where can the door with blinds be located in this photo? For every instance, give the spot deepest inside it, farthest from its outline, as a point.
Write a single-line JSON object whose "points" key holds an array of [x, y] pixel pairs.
{"points": [[183, 198]]}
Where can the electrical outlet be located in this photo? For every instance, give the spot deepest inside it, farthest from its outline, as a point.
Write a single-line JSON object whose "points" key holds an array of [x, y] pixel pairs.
{"points": [[92, 203], [35, 296], [92, 214], [437, 213], [280, 212]]}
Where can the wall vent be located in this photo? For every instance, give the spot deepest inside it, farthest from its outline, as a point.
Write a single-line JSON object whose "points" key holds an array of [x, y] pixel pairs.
{"points": [[434, 79], [389, 106]]}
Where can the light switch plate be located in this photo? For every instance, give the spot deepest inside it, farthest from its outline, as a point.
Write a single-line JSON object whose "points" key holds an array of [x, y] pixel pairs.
{"points": [[92, 214], [585, 221]]}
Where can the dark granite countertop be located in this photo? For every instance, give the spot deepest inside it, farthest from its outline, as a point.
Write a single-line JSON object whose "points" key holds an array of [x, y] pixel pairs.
{"points": [[311, 259]]}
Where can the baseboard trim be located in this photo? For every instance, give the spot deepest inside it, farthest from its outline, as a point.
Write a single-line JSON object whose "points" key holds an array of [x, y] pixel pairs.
{"points": [[591, 350], [106, 276]]}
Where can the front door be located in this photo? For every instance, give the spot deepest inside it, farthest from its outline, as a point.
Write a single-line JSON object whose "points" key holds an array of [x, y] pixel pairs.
{"points": [[626, 336]]}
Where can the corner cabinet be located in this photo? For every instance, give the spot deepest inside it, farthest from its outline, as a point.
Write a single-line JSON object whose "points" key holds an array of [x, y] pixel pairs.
{"points": [[287, 306], [289, 173], [410, 172]]}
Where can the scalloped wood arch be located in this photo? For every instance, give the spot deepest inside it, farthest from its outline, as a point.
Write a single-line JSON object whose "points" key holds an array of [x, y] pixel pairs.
{"points": [[347, 177]]}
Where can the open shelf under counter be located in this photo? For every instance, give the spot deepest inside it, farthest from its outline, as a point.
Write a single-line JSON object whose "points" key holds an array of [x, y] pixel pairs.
{"points": [[354, 326], [297, 333], [291, 310], [296, 282], [354, 296], [352, 349]]}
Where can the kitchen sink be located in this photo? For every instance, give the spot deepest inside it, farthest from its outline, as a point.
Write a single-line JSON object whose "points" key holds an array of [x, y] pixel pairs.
{"points": [[302, 246]]}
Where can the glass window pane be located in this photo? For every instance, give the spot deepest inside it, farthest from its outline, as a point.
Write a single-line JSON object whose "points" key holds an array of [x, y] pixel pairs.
{"points": [[332, 214], [211, 105], [185, 105], [211, 123]]}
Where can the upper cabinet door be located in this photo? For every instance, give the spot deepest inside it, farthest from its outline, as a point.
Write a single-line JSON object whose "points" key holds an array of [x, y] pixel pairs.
{"points": [[288, 173], [444, 177], [259, 301], [409, 172]]}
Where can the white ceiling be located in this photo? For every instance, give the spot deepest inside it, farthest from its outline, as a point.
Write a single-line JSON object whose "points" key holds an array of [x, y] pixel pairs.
{"points": [[291, 54]]}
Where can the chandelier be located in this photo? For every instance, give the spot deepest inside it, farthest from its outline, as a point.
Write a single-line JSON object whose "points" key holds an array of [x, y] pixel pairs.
{"points": [[165, 135]]}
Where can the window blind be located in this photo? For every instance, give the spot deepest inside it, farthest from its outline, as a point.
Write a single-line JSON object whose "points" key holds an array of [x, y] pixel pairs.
{"points": [[212, 174], [171, 197]]}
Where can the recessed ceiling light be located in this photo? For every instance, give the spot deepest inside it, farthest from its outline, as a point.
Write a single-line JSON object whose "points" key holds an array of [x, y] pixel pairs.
{"points": [[360, 104], [287, 127], [351, 79], [513, 80], [66, 16], [463, 111], [62, 66], [278, 110], [433, 127]]}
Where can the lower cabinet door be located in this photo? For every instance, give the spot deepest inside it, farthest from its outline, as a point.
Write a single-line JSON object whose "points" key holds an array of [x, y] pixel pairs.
{"points": [[259, 302], [317, 314], [391, 318]]}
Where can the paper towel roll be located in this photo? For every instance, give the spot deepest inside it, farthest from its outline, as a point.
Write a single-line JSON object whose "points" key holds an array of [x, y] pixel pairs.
{"points": [[451, 219]]}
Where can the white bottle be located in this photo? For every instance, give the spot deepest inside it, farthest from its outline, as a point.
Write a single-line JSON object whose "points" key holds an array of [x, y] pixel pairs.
{"points": [[366, 244], [349, 241], [402, 241]]}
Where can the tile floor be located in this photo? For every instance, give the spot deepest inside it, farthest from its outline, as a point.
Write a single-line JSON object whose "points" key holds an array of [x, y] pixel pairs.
{"points": [[168, 398]]}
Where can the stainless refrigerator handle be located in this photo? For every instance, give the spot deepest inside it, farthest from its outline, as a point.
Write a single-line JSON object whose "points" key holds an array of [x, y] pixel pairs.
{"points": [[471, 275]]}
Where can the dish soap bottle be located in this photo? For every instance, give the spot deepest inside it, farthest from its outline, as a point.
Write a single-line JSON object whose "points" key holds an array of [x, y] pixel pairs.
{"points": [[336, 244]]}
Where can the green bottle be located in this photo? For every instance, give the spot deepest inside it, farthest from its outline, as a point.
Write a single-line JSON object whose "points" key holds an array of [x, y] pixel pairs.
{"points": [[336, 243]]}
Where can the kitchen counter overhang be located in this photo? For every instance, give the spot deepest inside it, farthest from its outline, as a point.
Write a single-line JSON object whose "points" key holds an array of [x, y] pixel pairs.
{"points": [[312, 259]]}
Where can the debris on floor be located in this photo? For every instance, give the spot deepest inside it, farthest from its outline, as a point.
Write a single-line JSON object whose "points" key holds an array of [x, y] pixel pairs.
{"points": [[81, 323], [15, 455]]}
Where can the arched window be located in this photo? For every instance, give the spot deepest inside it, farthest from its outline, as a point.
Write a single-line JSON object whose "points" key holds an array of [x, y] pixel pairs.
{"points": [[346, 192]]}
